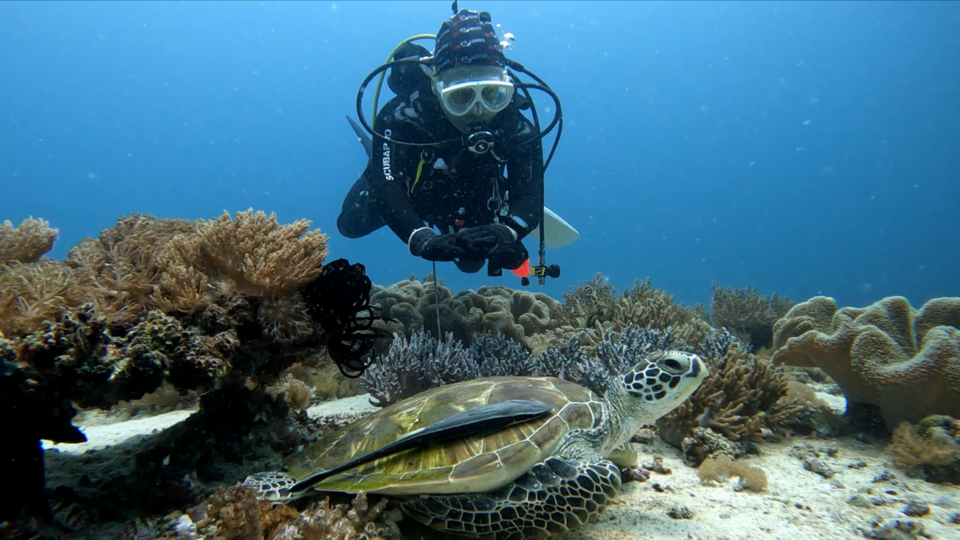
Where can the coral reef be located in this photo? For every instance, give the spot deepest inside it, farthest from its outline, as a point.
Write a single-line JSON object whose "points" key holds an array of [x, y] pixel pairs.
{"points": [[596, 306], [206, 306], [904, 361], [743, 397], [519, 315], [747, 315], [930, 450], [27, 242]]}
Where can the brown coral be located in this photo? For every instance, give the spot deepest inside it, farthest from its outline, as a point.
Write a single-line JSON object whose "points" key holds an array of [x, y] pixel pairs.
{"points": [[595, 306], [234, 513], [904, 361], [33, 293], [722, 467], [931, 448], [748, 315], [260, 255], [518, 315], [26, 243], [742, 396]]}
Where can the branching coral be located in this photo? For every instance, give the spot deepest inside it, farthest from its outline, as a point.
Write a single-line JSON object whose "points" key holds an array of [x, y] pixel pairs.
{"points": [[747, 315], [904, 361], [742, 396], [26, 243], [596, 307], [421, 363]]}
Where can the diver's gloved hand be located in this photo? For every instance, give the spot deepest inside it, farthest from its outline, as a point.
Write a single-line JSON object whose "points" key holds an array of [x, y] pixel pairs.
{"points": [[495, 242], [427, 244]]}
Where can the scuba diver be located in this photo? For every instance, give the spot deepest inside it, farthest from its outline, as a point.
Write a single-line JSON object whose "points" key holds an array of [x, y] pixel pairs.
{"points": [[452, 151]]}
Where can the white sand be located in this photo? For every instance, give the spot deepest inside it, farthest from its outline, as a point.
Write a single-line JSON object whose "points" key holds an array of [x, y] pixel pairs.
{"points": [[797, 505], [105, 435]]}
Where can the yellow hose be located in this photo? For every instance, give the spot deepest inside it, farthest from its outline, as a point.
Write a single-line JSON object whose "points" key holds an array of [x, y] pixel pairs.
{"points": [[376, 95]]}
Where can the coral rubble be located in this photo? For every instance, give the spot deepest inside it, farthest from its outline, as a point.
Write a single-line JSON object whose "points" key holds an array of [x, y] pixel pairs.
{"points": [[887, 355]]}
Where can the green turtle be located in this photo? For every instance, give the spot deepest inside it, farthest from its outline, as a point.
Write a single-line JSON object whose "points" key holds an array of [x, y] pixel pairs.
{"points": [[498, 457]]}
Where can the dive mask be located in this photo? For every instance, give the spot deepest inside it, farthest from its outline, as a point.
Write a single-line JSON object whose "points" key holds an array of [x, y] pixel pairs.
{"points": [[476, 91]]}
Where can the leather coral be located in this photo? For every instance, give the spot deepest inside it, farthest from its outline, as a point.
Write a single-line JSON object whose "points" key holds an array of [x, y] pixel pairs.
{"points": [[902, 360]]}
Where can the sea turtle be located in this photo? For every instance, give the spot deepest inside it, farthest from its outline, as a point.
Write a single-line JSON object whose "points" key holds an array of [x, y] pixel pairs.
{"points": [[498, 457]]}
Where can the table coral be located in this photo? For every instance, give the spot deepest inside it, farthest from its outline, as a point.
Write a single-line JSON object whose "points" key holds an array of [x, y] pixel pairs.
{"points": [[889, 355]]}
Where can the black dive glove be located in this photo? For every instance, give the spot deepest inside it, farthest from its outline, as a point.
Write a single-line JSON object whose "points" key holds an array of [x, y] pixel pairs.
{"points": [[427, 244], [495, 242]]}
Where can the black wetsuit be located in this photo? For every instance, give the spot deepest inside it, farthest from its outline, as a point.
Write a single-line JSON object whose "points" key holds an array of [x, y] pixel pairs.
{"points": [[456, 188]]}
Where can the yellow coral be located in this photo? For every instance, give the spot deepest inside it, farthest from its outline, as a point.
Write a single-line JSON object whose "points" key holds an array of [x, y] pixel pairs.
{"points": [[26, 243], [906, 362], [260, 255]]}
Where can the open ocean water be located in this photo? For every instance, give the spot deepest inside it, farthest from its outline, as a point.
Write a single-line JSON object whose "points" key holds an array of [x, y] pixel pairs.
{"points": [[803, 148]]}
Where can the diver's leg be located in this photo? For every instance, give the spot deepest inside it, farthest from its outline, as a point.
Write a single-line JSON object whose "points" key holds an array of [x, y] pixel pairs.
{"points": [[358, 217], [556, 496]]}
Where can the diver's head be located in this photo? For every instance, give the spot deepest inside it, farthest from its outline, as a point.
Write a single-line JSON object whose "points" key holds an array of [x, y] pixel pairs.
{"points": [[471, 79]]}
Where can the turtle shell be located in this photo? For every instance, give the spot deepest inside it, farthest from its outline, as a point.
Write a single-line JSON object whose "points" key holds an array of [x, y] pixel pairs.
{"points": [[465, 465]]}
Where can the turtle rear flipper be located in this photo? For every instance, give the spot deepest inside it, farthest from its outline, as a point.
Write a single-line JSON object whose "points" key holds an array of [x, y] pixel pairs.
{"points": [[556, 496], [479, 421]]}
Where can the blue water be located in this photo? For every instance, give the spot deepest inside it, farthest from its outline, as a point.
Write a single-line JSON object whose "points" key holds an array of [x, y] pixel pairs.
{"points": [[802, 148]]}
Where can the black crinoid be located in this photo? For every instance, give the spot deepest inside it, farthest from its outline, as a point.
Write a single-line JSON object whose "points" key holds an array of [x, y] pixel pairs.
{"points": [[339, 300]]}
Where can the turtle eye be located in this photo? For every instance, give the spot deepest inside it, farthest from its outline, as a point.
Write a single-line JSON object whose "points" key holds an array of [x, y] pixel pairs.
{"points": [[672, 364]]}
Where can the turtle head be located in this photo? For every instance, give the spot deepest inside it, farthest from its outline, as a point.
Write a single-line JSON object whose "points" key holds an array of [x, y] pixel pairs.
{"points": [[662, 381]]}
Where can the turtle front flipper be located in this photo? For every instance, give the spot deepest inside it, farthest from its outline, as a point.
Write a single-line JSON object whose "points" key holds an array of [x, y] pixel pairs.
{"points": [[272, 486], [556, 496]]}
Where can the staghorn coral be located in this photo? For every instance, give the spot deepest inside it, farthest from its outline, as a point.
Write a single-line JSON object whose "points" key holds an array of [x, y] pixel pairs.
{"points": [[887, 355], [930, 450], [747, 315], [27, 242], [741, 398], [261, 256]]}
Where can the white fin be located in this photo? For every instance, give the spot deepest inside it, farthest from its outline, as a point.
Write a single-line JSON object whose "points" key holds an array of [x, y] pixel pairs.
{"points": [[556, 231]]}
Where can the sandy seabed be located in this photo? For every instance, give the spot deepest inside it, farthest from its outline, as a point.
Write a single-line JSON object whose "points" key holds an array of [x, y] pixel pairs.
{"points": [[864, 497]]}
